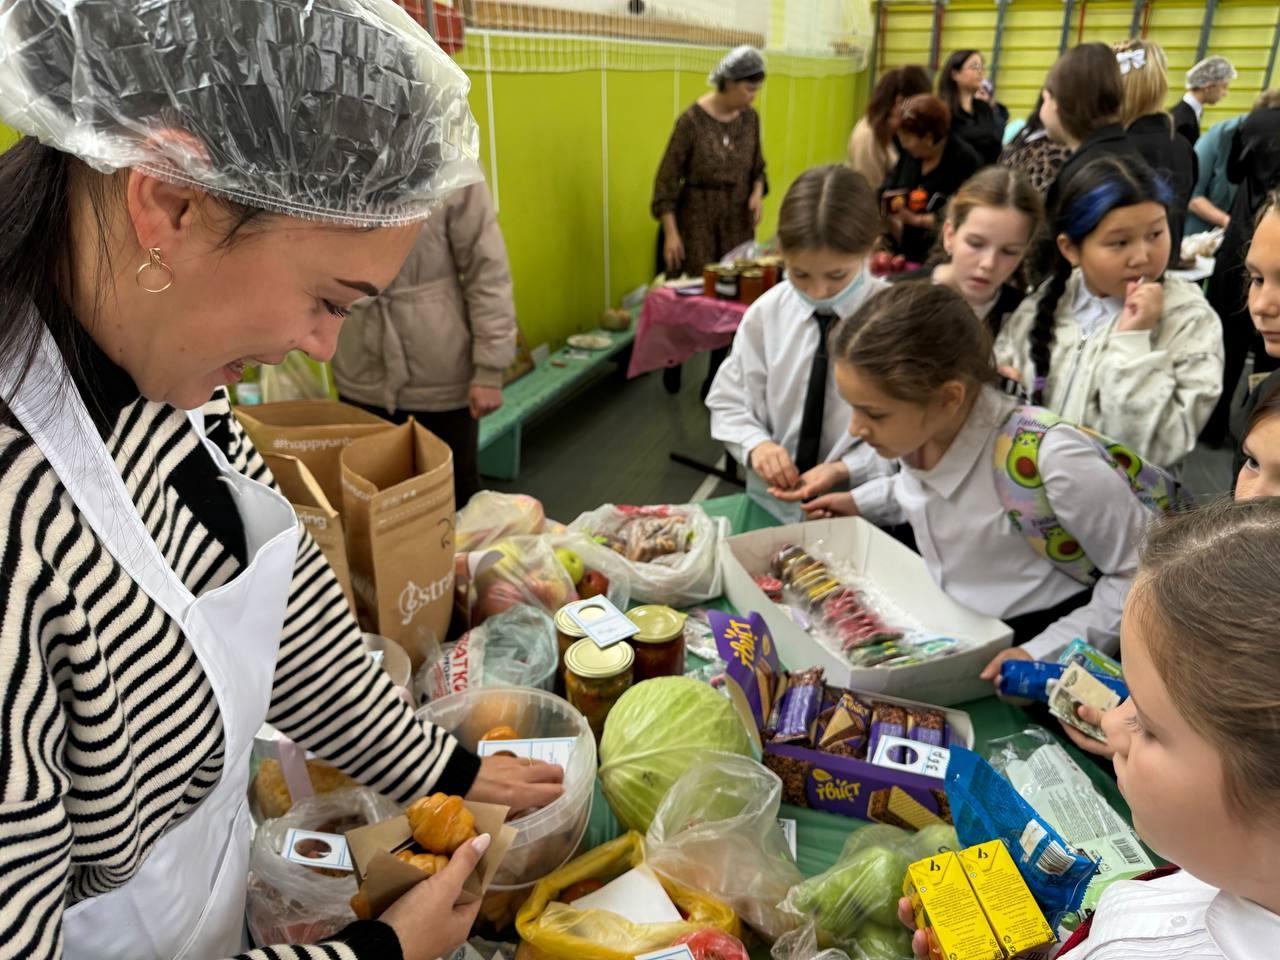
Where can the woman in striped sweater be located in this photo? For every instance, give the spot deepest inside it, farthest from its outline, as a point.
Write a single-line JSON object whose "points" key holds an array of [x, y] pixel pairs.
{"points": [[211, 184]]}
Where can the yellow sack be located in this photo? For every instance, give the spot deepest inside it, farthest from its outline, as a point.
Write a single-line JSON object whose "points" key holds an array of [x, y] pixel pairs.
{"points": [[556, 931]]}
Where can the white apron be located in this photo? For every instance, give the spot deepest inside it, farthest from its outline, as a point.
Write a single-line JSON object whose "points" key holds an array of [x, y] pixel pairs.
{"points": [[187, 899]]}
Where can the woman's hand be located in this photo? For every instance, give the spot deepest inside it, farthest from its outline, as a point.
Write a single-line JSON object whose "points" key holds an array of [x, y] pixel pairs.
{"points": [[673, 252], [919, 938], [756, 205], [992, 670], [517, 782], [1081, 739], [832, 505], [814, 483], [427, 919], [484, 401], [1143, 305], [774, 465]]}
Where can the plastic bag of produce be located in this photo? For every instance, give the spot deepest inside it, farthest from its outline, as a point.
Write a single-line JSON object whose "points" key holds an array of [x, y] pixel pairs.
{"points": [[516, 648], [717, 830], [597, 569], [557, 931], [655, 732], [802, 944], [290, 903], [490, 517], [512, 571], [855, 902], [672, 552]]}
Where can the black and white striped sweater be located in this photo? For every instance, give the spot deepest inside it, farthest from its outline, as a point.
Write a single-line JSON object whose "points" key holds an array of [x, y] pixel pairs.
{"points": [[109, 733]]}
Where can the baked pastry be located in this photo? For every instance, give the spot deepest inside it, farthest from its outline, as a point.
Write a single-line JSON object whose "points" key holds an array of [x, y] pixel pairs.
{"points": [[440, 823], [360, 906], [272, 792], [428, 863], [501, 733]]}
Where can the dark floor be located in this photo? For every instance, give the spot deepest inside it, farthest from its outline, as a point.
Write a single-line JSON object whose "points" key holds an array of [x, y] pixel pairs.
{"points": [[610, 443]]}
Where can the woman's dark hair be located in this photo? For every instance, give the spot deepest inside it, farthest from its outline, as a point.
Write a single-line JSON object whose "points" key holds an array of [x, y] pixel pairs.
{"points": [[723, 83], [904, 82], [914, 337], [924, 115], [1099, 187], [1086, 85], [37, 186], [831, 206], [948, 91]]}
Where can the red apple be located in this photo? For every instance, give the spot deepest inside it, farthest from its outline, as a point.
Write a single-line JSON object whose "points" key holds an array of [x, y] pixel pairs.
{"points": [[494, 599], [594, 584]]}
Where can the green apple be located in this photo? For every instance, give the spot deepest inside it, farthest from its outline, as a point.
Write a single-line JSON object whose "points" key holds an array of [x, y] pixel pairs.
{"points": [[572, 564]]}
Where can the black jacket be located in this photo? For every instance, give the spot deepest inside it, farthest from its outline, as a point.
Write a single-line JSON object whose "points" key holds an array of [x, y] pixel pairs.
{"points": [[959, 163], [1185, 122], [1173, 157], [982, 130]]}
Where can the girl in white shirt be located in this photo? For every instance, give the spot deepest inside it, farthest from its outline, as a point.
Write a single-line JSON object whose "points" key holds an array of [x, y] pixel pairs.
{"points": [[1108, 341], [915, 365], [774, 403], [1196, 744]]}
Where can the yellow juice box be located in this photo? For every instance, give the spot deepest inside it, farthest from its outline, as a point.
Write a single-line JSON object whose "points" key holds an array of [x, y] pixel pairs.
{"points": [[1011, 911], [946, 906]]}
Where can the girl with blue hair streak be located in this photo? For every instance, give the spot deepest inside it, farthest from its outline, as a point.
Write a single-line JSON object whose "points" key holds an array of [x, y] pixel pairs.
{"points": [[1109, 341]]}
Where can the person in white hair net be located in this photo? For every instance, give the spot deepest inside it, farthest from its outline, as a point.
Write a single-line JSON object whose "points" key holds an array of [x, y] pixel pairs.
{"points": [[1207, 83], [200, 186], [709, 191]]}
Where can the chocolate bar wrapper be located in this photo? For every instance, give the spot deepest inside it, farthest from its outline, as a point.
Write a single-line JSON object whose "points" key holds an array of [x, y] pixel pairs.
{"points": [[778, 562], [842, 729], [927, 726], [886, 720], [798, 707]]}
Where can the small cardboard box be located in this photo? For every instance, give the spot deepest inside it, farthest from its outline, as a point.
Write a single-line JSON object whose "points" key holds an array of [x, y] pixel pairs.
{"points": [[1010, 908], [947, 907], [902, 575], [836, 784], [384, 878]]}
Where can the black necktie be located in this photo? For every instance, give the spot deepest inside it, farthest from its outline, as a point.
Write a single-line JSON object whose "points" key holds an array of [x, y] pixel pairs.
{"points": [[809, 449]]}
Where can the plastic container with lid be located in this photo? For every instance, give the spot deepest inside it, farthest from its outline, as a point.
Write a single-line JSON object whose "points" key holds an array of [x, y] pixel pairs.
{"points": [[548, 837], [659, 646], [596, 678]]}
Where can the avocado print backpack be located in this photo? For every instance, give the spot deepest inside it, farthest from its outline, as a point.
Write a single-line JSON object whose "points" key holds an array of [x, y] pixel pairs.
{"points": [[1026, 503]]}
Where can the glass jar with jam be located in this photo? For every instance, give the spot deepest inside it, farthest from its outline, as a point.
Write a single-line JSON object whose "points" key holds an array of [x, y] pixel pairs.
{"points": [[567, 634], [595, 679], [659, 645]]}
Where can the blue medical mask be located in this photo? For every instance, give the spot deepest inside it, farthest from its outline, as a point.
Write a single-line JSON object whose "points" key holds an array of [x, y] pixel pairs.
{"points": [[832, 304]]}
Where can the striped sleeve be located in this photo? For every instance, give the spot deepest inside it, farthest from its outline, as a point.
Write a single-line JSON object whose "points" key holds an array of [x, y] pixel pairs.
{"points": [[363, 939], [328, 695]]}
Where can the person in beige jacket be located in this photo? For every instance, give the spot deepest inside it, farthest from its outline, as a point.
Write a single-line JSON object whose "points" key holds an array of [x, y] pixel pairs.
{"points": [[435, 343]]}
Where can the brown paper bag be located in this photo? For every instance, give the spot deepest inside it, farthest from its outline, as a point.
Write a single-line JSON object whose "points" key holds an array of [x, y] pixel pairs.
{"points": [[315, 513], [397, 491], [314, 431]]}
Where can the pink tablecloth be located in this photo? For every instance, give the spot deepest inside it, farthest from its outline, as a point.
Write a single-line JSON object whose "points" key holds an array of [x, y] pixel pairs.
{"points": [[673, 328]]}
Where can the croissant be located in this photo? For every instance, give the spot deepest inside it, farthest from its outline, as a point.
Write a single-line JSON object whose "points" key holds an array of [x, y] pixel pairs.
{"points": [[501, 733], [360, 906], [428, 863], [440, 823]]}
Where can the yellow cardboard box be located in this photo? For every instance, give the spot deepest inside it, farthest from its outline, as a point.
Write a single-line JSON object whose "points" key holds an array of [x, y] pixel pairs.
{"points": [[947, 907], [1011, 911]]}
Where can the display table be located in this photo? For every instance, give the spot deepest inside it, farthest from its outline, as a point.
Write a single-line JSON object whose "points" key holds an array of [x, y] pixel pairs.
{"points": [[821, 836], [673, 328]]}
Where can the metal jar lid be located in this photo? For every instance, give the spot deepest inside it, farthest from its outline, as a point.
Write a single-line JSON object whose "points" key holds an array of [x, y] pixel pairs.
{"points": [[657, 623], [564, 624], [588, 661]]}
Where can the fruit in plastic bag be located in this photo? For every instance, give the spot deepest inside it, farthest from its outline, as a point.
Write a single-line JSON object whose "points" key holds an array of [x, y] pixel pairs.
{"points": [[866, 886], [880, 942], [933, 840], [713, 945]]}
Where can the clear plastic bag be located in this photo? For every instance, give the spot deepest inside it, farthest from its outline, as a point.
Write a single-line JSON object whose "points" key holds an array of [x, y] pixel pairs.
{"points": [[296, 377], [290, 903], [672, 552], [490, 517], [717, 830], [515, 648], [597, 558], [512, 571], [802, 944]]}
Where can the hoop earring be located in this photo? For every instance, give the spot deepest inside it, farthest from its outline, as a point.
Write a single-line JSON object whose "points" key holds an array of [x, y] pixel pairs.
{"points": [[154, 262]]}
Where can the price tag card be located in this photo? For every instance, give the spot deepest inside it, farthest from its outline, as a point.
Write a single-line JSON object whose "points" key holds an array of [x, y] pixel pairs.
{"points": [[912, 756], [671, 953], [555, 750], [789, 831], [604, 623], [312, 849]]}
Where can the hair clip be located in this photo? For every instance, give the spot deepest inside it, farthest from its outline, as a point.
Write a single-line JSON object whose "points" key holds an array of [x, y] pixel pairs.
{"points": [[1134, 59]]}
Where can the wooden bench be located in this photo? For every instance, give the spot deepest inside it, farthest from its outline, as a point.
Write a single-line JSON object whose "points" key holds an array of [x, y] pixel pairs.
{"points": [[542, 388]]}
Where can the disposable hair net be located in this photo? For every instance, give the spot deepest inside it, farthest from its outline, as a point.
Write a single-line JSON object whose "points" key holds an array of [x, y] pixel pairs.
{"points": [[738, 64], [1209, 71], [335, 110]]}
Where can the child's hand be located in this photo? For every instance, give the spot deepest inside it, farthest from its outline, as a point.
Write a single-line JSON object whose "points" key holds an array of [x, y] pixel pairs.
{"points": [[1083, 740], [774, 465], [992, 670], [1143, 305], [814, 483], [832, 505], [920, 938]]}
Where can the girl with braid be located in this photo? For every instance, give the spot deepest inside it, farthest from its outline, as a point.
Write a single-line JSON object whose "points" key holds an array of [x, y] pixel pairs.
{"points": [[1109, 341]]}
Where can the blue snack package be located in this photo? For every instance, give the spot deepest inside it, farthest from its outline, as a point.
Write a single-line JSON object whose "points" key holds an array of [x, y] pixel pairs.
{"points": [[1029, 679], [1092, 659], [985, 806]]}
